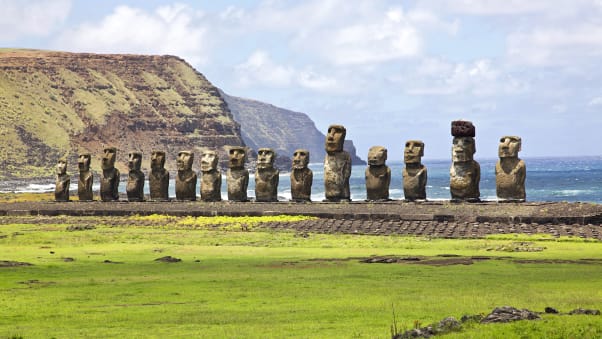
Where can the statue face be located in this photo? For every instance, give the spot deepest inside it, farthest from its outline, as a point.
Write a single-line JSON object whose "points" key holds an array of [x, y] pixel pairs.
{"points": [[463, 149], [184, 161], [134, 161], [265, 158], [209, 161], [377, 155], [509, 147], [83, 162], [157, 160], [335, 138], [237, 157], [61, 167], [300, 159], [108, 158], [413, 152]]}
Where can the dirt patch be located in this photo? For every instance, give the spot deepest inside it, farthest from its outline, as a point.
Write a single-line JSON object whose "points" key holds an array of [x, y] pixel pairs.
{"points": [[9, 263], [519, 246], [112, 262], [36, 282], [80, 228], [439, 260], [169, 259]]}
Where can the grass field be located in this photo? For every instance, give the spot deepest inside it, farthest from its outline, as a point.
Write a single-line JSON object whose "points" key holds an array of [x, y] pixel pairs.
{"points": [[240, 280]]}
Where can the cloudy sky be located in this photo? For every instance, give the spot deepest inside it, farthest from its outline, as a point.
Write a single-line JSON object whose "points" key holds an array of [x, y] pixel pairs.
{"points": [[388, 70]]}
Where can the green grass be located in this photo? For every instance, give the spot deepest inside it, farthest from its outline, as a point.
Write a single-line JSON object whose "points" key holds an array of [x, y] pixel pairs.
{"points": [[264, 284]]}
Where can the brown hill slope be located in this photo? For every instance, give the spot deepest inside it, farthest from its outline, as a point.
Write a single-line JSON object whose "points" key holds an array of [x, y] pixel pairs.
{"points": [[56, 104]]}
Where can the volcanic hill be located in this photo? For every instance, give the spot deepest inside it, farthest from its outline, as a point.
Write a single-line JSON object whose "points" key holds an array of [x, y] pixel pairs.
{"points": [[55, 104]]}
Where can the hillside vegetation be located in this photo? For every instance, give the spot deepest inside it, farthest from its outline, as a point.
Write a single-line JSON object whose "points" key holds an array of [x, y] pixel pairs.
{"points": [[55, 104]]}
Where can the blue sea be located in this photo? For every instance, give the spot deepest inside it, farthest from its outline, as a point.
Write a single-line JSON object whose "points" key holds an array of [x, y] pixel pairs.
{"points": [[548, 179]]}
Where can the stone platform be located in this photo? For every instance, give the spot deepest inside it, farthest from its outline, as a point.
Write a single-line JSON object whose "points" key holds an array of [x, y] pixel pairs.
{"points": [[439, 211]]}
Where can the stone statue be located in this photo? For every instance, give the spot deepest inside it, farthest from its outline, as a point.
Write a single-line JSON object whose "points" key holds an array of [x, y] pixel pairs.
{"points": [[301, 176], [109, 181], [61, 189], [378, 175], [186, 178], [237, 176], [159, 177], [135, 185], [84, 185], [414, 172], [510, 170], [337, 166], [211, 177], [266, 176], [465, 172]]}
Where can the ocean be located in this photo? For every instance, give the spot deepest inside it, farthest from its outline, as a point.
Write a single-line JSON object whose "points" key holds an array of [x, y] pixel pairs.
{"points": [[548, 179]]}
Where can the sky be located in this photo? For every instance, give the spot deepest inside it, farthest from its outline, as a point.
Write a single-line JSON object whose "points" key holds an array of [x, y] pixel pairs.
{"points": [[390, 71]]}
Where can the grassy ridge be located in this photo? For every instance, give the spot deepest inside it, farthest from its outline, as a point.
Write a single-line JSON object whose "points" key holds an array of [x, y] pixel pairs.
{"points": [[258, 284]]}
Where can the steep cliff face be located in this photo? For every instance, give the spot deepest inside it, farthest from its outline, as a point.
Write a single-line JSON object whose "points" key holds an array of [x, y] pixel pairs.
{"points": [[265, 125], [55, 104]]}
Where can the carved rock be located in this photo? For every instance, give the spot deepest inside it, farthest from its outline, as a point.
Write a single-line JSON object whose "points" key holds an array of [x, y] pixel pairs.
{"points": [[237, 177], [465, 172], [337, 166], [109, 181], [414, 173], [186, 178], [510, 170], [135, 185], [378, 175], [61, 189], [159, 177], [301, 176], [86, 178], [211, 178], [266, 176]]}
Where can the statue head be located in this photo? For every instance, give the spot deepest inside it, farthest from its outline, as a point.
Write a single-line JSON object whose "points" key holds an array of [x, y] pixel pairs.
{"points": [[184, 161], [157, 160], [237, 157], [209, 160], [413, 151], [463, 149], [509, 146], [265, 158], [61, 166], [83, 162], [108, 158], [335, 138], [377, 155], [134, 161], [300, 158]]}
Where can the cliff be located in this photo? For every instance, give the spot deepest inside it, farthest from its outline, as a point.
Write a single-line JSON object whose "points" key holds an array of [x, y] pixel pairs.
{"points": [[265, 125], [55, 104]]}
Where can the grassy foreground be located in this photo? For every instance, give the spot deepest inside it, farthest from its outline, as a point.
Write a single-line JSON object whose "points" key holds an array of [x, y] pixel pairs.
{"points": [[239, 280]]}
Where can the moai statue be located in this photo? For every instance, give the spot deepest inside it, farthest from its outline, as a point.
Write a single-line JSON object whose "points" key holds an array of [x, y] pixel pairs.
{"points": [[266, 176], [510, 170], [186, 178], [301, 176], [378, 175], [337, 166], [414, 172], [237, 176], [159, 177], [211, 177], [109, 181], [84, 184], [135, 185], [465, 172], [61, 189]]}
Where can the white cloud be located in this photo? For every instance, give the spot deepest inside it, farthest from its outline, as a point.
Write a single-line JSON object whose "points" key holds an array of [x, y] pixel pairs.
{"points": [[558, 45], [173, 29], [595, 102], [20, 19], [491, 7], [260, 69]]}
